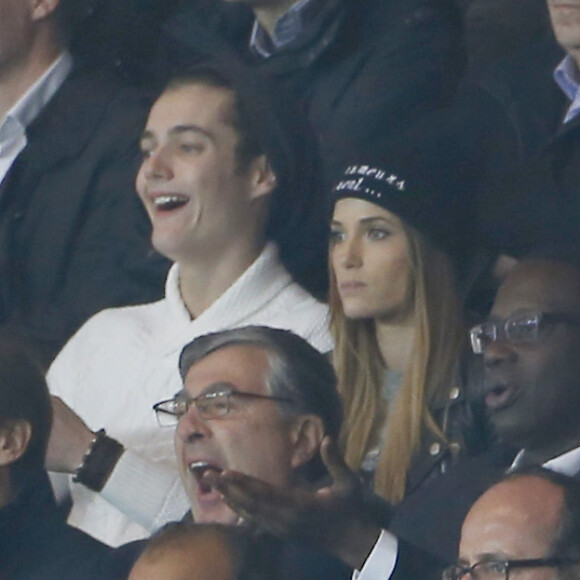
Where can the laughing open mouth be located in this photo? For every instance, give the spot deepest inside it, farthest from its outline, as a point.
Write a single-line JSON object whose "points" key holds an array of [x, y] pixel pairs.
{"points": [[169, 202]]}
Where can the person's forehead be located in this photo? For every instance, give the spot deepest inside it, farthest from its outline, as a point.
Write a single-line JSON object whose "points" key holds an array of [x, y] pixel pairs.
{"points": [[205, 556], [197, 103], [516, 518], [244, 367], [355, 209], [539, 285]]}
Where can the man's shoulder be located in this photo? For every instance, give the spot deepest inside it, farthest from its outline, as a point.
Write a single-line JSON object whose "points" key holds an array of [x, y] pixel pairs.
{"points": [[307, 317], [101, 85], [299, 562], [105, 344], [121, 324], [41, 544], [290, 307], [411, 13], [63, 552], [431, 517], [207, 28], [92, 100], [524, 83]]}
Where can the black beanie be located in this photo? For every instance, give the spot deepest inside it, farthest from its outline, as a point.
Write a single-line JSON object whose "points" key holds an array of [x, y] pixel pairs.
{"points": [[425, 192]]}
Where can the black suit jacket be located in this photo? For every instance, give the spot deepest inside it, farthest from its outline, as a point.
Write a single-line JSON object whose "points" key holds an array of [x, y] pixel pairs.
{"points": [[74, 238], [431, 518], [536, 201], [37, 544]]}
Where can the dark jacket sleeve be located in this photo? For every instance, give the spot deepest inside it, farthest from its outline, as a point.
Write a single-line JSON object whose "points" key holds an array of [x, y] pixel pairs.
{"points": [[74, 237]]}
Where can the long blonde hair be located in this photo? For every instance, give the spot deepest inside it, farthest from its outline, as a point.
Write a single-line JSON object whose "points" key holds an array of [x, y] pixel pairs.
{"points": [[430, 373]]}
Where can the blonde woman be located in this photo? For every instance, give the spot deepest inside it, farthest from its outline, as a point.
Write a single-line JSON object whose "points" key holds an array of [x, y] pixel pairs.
{"points": [[398, 328], [396, 241]]}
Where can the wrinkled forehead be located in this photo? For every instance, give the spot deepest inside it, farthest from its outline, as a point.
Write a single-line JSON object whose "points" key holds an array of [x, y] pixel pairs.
{"points": [[517, 518], [539, 285], [239, 367]]}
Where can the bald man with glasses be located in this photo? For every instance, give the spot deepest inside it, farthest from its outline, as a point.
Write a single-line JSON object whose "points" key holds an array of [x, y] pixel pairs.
{"points": [[526, 527]]}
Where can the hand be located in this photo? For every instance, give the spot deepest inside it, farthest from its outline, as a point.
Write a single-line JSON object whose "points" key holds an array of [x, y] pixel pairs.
{"points": [[69, 440], [334, 518]]}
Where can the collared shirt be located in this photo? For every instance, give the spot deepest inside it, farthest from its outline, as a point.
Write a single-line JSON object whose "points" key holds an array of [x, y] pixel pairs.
{"points": [[27, 108], [567, 78], [381, 561], [568, 463], [289, 27]]}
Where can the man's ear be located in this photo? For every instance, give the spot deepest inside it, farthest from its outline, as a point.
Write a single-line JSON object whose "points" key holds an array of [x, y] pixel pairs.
{"points": [[307, 434], [263, 177], [14, 440], [43, 8]]}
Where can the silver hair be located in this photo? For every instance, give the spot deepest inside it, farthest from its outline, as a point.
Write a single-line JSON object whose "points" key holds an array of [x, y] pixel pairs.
{"points": [[297, 370]]}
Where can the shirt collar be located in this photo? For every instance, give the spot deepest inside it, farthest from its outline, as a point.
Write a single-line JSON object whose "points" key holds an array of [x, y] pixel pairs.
{"points": [[567, 77], [264, 279], [568, 463], [28, 107], [289, 27]]}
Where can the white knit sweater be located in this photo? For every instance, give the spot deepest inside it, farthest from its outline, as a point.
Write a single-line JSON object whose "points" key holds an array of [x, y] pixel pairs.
{"points": [[123, 360]]}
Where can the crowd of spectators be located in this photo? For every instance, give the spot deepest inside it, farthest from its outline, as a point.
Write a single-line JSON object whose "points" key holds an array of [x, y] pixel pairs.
{"points": [[364, 361]]}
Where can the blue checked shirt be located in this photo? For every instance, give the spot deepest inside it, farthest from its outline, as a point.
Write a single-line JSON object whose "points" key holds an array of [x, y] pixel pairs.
{"points": [[567, 77]]}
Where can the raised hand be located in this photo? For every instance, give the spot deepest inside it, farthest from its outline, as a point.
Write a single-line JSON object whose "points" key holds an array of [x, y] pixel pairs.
{"points": [[336, 518]]}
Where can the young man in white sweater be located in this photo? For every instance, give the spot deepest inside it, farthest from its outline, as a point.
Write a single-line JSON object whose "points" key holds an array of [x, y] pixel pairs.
{"points": [[229, 184]]}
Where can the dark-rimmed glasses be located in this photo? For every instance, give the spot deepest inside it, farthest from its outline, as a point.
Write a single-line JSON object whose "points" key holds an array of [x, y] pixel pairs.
{"points": [[522, 328], [212, 405], [500, 569]]}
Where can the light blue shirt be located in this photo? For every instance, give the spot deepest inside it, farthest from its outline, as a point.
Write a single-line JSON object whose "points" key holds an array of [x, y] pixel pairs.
{"points": [[567, 77], [289, 27], [13, 127]]}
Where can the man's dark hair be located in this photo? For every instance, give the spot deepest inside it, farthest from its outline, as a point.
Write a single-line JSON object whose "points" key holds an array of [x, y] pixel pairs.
{"points": [[269, 123], [251, 553], [24, 397], [248, 147], [567, 541], [297, 371]]}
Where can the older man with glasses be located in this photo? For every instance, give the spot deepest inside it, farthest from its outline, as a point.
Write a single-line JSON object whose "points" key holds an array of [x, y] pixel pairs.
{"points": [[256, 401], [530, 348], [526, 527]]}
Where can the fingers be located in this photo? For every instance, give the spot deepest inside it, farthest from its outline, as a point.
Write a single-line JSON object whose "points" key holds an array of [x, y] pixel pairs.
{"points": [[247, 492], [272, 508]]}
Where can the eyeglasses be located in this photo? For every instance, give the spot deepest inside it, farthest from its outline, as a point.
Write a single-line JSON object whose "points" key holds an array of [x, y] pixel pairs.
{"points": [[523, 328], [500, 569], [211, 405]]}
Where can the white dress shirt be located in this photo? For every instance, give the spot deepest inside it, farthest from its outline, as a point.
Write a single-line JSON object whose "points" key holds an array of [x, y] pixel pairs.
{"points": [[567, 464], [381, 561], [27, 108]]}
